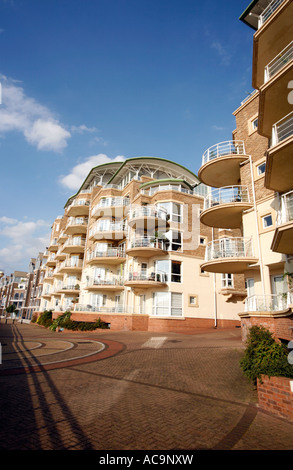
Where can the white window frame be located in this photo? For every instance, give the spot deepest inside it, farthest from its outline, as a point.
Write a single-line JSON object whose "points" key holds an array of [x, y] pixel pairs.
{"points": [[227, 280], [167, 307]]}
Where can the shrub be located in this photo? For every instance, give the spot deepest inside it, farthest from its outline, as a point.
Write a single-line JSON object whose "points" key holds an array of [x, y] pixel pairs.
{"points": [[264, 356], [64, 321], [45, 319]]}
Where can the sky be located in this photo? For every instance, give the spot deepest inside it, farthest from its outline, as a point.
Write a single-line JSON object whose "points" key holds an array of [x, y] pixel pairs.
{"points": [[84, 82]]}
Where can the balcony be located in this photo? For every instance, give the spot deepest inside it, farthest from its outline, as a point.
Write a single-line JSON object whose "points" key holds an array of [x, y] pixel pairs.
{"points": [[146, 247], [229, 255], [279, 164], [71, 266], [68, 289], [283, 238], [148, 217], [112, 206], [111, 283], [62, 237], [274, 304], [126, 309], [78, 208], [51, 261], [108, 231], [53, 245], [110, 256], [74, 245], [279, 62], [144, 279], [223, 207], [48, 276], [273, 35], [221, 164], [76, 226], [60, 255]]}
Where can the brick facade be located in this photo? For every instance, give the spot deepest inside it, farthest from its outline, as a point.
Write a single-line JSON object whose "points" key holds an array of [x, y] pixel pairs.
{"points": [[276, 396], [280, 327]]}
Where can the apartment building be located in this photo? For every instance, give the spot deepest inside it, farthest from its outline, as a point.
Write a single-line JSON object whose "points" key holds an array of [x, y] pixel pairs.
{"points": [[13, 290], [128, 250], [250, 178], [34, 288]]}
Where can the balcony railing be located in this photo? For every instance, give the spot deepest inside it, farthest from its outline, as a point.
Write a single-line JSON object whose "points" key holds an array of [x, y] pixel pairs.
{"points": [[268, 11], [77, 221], [148, 242], [285, 214], [107, 228], [145, 275], [147, 211], [75, 241], [71, 264], [227, 195], [110, 252], [269, 303], [107, 281], [230, 147], [79, 202], [282, 129], [229, 248], [97, 308], [279, 61]]}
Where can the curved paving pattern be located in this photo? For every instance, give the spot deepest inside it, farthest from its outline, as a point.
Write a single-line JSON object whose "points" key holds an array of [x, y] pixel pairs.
{"points": [[151, 392]]}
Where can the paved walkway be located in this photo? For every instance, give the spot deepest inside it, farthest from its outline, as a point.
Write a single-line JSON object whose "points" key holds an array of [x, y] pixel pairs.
{"points": [[130, 391]]}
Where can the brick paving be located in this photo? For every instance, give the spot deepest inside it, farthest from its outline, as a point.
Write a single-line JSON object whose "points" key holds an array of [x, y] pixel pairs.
{"points": [[142, 391]]}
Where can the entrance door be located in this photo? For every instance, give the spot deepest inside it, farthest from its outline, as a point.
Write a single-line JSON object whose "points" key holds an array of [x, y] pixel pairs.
{"points": [[279, 287], [142, 304]]}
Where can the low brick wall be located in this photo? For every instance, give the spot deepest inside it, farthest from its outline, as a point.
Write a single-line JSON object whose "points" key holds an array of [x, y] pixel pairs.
{"points": [[282, 327], [275, 395]]}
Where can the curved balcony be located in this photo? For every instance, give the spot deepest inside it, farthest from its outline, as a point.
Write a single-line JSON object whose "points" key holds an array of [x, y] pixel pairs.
{"points": [[70, 266], [108, 231], [116, 207], [145, 280], [76, 226], [148, 217], [279, 163], [272, 304], [68, 289], [112, 283], [74, 245], [283, 237], [109, 256], [229, 255], [78, 208], [223, 207], [220, 164], [146, 247]]}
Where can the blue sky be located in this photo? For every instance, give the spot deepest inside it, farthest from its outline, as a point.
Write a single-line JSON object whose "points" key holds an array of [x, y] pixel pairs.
{"points": [[90, 81]]}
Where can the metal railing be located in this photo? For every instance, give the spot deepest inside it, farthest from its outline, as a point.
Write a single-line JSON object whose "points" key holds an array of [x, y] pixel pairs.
{"points": [[285, 56], [97, 308], [147, 211], [269, 303], [147, 242], [285, 213], [228, 148], [282, 129], [268, 11], [229, 248], [106, 281], [74, 241], [77, 221], [111, 227], [110, 252], [145, 275], [226, 195], [70, 263]]}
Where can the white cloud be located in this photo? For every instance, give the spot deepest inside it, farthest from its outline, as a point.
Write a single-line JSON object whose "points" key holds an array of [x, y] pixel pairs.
{"points": [[222, 52], [19, 112], [21, 241], [83, 128], [79, 172]]}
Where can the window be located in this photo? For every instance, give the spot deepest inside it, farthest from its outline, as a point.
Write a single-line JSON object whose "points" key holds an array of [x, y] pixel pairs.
{"points": [[175, 239], [174, 210], [167, 304], [227, 280], [267, 221], [193, 301], [175, 271], [202, 240], [254, 124], [261, 169]]}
